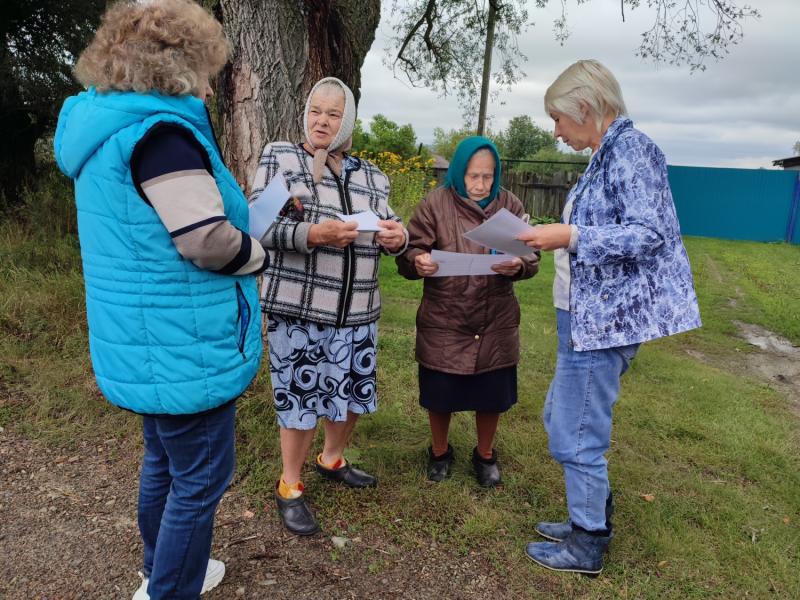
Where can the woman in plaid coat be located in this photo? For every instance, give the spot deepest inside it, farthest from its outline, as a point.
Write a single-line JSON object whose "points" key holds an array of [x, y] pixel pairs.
{"points": [[321, 294]]}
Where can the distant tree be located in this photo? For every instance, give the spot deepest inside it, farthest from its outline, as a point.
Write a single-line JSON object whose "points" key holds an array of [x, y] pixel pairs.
{"points": [[445, 141], [442, 45], [796, 148], [385, 135], [447, 45], [523, 138], [361, 138], [40, 42]]}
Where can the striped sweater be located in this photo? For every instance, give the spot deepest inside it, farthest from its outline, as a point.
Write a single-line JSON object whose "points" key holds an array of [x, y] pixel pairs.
{"points": [[172, 173]]}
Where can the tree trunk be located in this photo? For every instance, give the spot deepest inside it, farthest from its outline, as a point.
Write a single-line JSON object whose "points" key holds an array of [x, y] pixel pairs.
{"points": [[20, 130], [487, 67], [281, 48]]}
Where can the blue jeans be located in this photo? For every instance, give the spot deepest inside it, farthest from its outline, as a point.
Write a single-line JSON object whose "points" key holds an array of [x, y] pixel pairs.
{"points": [[188, 464], [577, 418]]}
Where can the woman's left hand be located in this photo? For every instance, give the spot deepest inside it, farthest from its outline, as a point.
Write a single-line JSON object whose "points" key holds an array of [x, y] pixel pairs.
{"points": [[508, 268], [392, 237], [547, 237]]}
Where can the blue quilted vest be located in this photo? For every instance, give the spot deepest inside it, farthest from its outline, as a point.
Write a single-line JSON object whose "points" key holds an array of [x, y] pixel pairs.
{"points": [[165, 337]]}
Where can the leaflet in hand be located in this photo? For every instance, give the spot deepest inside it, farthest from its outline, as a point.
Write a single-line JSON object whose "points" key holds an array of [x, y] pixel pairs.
{"points": [[452, 264], [264, 210], [500, 232], [367, 221]]}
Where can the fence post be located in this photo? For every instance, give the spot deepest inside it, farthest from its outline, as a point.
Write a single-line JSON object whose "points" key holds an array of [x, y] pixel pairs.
{"points": [[793, 211]]}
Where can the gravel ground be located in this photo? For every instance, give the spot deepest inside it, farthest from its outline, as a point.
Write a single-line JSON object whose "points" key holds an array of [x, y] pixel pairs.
{"points": [[68, 530]]}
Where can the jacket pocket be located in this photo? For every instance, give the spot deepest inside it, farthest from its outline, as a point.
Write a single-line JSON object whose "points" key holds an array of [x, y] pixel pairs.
{"points": [[242, 319]]}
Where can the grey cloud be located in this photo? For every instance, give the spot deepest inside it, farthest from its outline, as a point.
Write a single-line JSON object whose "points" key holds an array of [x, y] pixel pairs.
{"points": [[741, 111]]}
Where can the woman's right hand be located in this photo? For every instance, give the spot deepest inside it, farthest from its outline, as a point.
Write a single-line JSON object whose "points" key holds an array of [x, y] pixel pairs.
{"points": [[338, 234], [424, 265]]}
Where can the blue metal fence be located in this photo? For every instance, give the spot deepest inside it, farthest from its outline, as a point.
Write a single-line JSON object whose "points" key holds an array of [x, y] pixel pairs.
{"points": [[737, 204]]}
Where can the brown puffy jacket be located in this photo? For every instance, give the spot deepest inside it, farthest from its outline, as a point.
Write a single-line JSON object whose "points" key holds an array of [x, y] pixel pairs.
{"points": [[465, 325]]}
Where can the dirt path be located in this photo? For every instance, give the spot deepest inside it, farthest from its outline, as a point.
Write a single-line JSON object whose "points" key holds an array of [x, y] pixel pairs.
{"points": [[68, 530], [777, 361]]}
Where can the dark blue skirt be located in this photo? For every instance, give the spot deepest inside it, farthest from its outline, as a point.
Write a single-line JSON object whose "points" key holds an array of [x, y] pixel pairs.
{"points": [[493, 391]]}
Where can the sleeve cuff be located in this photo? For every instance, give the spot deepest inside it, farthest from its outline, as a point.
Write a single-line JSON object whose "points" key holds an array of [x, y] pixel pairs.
{"points": [[573, 240], [300, 238]]}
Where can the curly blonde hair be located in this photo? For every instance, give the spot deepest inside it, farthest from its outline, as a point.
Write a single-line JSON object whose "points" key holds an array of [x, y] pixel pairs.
{"points": [[169, 46]]}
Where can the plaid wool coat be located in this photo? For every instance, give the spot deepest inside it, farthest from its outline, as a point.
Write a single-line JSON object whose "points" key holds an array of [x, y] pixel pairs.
{"points": [[331, 286]]}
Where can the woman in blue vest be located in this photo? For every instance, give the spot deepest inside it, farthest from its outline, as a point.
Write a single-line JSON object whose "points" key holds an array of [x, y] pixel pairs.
{"points": [[622, 278], [171, 300]]}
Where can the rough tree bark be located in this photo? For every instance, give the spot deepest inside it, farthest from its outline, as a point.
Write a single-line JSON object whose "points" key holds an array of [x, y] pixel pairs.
{"points": [[280, 49]]}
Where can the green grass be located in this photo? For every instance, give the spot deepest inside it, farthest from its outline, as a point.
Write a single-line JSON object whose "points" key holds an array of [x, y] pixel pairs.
{"points": [[717, 448]]}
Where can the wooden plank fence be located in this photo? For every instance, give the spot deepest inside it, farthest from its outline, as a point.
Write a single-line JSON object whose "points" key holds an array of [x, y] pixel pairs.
{"points": [[541, 196]]}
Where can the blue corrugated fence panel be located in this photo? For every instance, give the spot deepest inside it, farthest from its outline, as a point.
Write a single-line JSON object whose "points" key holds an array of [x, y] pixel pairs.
{"points": [[796, 224], [735, 204]]}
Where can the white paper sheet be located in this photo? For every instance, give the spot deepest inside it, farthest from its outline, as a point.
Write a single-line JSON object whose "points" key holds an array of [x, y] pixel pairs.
{"points": [[367, 221], [264, 210], [500, 233], [452, 264]]}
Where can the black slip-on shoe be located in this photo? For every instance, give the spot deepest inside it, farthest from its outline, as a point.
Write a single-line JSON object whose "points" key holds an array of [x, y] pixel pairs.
{"points": [[348, 475], [439, 466], [296, 515], [486, 470]]}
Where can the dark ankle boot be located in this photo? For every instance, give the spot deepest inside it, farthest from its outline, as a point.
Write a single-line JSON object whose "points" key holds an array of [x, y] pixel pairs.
{"points": [[560, 531], [557, 532], [486, 470], [439, 466], [580, 552]]}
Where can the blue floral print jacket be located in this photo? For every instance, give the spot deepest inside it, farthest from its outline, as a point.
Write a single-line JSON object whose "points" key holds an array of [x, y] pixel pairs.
{"points": [[630, 275]]}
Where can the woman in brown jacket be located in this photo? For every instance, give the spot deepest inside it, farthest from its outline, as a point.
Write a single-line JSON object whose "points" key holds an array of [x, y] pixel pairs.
{"points": [[467, 327]]}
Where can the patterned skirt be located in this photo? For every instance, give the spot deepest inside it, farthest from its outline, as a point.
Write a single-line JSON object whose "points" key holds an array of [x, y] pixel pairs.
{"points": [[320, 371]]}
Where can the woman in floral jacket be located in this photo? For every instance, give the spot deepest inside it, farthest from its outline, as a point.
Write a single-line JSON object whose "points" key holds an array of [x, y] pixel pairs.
{"points": [[622, 278]]}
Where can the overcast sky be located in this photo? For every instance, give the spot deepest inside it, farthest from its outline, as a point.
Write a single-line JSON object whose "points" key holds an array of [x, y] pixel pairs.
{"points": [[743, 111]]}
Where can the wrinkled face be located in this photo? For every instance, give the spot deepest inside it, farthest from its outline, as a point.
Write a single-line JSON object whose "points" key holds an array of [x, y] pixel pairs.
{"points": [[479, 176], [577, 136], [325, 116]]}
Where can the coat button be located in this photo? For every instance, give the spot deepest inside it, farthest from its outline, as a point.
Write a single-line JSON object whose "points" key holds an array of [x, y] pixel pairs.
{"points": [[477, 337], [605, 296]]}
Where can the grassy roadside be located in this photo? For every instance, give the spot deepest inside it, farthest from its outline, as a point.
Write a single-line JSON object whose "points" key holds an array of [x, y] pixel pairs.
{"points": [[716, 449]]}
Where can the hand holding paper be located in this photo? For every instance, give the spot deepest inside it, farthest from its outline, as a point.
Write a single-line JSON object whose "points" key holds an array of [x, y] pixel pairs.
{"points": [[392, 236], [548, 237], [424, 265], [332, 233]]}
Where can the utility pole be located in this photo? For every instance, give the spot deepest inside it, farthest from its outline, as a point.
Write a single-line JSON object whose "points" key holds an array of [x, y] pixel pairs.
{"points": [[487, 66]]}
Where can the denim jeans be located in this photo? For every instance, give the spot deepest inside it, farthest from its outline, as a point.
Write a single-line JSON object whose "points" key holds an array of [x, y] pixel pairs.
{"points": [[577, 418], [188, 464]]}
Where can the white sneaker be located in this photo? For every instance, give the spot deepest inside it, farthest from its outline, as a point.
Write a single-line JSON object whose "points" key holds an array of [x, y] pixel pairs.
{"points": [[214, 574]]}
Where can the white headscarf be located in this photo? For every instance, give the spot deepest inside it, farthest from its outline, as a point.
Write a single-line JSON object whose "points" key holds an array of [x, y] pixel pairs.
{"points": [[342, 141]]}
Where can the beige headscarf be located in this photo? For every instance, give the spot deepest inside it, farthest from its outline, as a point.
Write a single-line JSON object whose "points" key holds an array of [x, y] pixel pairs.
{"points": [[342, 141]]}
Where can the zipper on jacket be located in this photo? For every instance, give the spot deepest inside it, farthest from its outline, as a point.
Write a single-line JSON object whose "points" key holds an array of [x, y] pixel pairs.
{"points": [[242, 319], [349, 256]]}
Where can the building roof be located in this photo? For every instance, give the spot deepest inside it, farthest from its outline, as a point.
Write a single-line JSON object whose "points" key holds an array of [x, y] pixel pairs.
{"points": [[787, 163]]}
